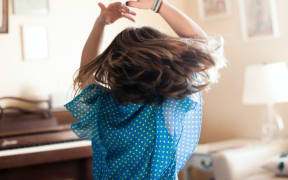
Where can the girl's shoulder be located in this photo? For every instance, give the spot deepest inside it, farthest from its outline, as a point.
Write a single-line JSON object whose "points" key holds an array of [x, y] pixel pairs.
{"points": [[95, 87], [91, 92], [189, 103]]}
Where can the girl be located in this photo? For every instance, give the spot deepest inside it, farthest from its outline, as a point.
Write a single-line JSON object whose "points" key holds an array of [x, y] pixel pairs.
{"points": [[140, 102]]}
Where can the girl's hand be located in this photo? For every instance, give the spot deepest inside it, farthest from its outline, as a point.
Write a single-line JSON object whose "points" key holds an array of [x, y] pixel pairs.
{"points": [[141, 4], [114, 11]]}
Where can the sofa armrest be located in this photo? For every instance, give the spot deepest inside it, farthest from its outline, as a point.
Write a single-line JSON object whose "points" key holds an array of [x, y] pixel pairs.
{"points": [[242, 163]]}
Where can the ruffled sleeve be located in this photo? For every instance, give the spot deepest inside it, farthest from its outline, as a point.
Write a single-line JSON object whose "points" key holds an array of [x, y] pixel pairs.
{"points": [[183, 119], [191, 129], [84, 108]]}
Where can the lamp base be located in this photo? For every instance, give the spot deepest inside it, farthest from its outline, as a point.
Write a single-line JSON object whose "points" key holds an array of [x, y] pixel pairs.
{"points": [[272, 125]]}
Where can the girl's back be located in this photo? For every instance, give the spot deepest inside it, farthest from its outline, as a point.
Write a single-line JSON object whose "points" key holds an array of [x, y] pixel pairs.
{"points": [[136, 140]]}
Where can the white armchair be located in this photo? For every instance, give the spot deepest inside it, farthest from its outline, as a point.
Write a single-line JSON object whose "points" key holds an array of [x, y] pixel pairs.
{"points": [[245, 163], [235, 159]]}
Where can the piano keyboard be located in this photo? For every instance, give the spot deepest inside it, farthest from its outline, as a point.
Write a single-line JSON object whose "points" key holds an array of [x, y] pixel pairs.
{"points": [[29, 140], [45, 148]]}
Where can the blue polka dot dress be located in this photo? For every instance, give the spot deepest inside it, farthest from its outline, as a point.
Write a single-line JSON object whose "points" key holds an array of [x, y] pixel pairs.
{"points": [[136, 141]]}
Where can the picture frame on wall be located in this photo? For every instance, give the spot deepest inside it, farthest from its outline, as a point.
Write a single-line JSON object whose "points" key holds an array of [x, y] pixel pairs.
{"points": [[34, 42], [4, 16], [30, 7], [214, 9], [259, 19]]}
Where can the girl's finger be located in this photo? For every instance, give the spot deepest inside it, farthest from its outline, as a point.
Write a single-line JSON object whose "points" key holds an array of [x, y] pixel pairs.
{"points": [[102, 6], [128, 17], [127, 10], [134, 4]]}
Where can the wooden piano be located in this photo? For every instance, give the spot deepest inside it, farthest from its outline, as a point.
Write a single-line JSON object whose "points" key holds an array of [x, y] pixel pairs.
{"points": [[43, 149]]}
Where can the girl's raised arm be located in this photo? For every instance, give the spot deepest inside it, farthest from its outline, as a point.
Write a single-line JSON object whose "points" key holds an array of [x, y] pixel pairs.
{"points": [[178, 21], [107, 16], [91, 48], [183, 25]]}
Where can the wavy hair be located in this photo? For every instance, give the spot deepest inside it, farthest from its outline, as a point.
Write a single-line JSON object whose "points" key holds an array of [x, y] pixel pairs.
{"points": [[142, 64]]}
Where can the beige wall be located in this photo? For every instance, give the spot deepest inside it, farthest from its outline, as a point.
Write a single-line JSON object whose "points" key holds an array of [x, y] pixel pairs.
{"points": [[224, 114]]}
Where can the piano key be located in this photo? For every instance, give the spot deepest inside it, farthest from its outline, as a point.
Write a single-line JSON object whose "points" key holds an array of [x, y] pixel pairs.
{"points": [[37, 139], [44, 148]]}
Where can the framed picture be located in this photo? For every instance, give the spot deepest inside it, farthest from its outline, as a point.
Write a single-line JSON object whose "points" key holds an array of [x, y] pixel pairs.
{"points": [[3, 16], [34, 42], [31, 7], [214, 9], [259, 20]]}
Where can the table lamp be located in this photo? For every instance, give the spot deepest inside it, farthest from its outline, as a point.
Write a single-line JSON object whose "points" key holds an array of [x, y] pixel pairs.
{"points": [[267, 84]]}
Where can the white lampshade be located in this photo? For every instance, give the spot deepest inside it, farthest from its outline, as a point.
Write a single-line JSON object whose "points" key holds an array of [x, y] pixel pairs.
{"points": [[266, 83]]}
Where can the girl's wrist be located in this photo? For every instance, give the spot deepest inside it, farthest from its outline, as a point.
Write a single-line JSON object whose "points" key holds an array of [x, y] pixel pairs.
{"points": [[162, 7], [156, 5], [101, 20]]}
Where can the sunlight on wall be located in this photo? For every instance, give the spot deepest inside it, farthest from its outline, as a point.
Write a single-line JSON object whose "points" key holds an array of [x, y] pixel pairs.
{"points": [[224, 114]]}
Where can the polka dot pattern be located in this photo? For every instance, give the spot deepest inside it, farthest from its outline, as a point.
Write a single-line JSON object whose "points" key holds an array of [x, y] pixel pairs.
{"points": [[136, 141]]}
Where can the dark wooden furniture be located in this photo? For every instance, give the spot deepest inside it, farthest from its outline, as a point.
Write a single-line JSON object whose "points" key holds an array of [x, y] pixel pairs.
{"points": [[4, 13], [48, 152]]}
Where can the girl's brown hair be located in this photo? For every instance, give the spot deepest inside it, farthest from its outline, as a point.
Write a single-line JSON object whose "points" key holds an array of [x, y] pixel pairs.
{"points": [[141, 64]]}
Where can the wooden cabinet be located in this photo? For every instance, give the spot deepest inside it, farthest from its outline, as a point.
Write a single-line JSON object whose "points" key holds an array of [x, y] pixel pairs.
{"points": [[61, 164], [79, 169]]}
